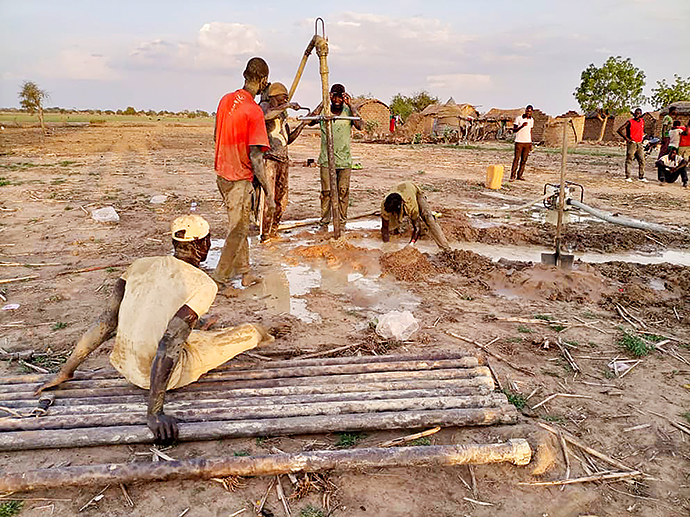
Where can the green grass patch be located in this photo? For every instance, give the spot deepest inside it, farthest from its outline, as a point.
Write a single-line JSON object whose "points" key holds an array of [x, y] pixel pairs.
{"points": [[686, 415], [654, 338], [241, 453], [348, 440], [4, 182], [10, 508], [635, 345], [515, 340], [515, 399], [260, 440], [572, 343], [60, 325], [544, 317], [312, 511], [424, 440], [58, 181], [525, 330], [557, 328], [554, 418]]}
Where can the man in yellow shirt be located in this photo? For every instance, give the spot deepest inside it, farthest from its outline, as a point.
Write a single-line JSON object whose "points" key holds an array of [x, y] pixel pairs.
{"points": [[406, 199], [154, 307]]}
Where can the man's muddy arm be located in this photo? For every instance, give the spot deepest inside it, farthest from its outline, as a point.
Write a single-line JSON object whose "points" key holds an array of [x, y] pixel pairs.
{"points": [[385, 232], [164, 427], [292, 136], [317, 111], [99, 332], [256, 155], [415, 231]]}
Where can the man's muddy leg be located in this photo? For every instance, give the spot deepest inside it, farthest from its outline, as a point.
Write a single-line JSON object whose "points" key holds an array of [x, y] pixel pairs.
{"points": [[343, 193], [234, 258]]}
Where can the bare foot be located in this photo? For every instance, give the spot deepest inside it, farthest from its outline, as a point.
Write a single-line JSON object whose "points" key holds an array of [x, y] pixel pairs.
{"points": [[250, 279]]}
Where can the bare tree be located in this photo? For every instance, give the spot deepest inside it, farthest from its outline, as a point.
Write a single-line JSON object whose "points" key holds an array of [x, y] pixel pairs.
{"points": [[32, 97]]}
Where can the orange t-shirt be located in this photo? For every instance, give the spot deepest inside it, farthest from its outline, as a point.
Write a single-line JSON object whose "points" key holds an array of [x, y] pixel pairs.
{"points": [[239, 124]]}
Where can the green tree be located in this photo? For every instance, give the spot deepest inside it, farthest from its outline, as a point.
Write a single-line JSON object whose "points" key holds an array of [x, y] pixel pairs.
{"points": [[664, 94], [404, 106], [31, 98], [615, 87], [129, 111]]}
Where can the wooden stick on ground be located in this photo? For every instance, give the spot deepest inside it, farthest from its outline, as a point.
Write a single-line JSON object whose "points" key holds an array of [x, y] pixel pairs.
{"points": [[88, 269], [567, 356], [574, 441], [564, 448], [492, 354], [328, 352], [409, 438], [18, 264], [596, 477], [10, 280], [281, 497], [620, 311], [565, 395]]}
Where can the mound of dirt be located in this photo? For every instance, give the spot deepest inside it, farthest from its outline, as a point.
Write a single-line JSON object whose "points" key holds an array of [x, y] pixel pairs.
{"points": [[467, 263], [337, 253], [457, 226], [407, 264]]}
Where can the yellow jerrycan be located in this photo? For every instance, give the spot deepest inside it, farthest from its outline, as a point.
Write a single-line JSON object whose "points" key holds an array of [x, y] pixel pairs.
{"points": [[494, 176]]}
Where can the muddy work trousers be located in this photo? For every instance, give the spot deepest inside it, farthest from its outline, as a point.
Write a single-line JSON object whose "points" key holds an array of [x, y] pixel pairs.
{"points": [[343, 180], [634, 151], [520, 159], [427, 216], [276, 175], [234, 259]]}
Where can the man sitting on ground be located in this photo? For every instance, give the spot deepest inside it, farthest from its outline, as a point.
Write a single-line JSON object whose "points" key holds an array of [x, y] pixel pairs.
{"points": [[154, 307], [670, 166], [406, 199]]}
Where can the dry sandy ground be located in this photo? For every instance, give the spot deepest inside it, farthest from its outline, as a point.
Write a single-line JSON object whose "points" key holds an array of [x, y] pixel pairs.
{"points": [[325, 295]]}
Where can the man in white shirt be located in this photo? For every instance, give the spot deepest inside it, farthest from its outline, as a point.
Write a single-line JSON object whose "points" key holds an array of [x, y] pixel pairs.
{"points": [[675, 134], [670, 166], [153, 310], [522, 127]]}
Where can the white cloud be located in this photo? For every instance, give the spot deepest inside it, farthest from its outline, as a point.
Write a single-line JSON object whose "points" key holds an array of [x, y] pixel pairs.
{"points": [[218, 46], [459, 81], [77, 64]]}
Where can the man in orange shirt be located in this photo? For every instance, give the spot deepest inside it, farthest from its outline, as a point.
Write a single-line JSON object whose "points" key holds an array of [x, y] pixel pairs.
{"points": [[241, 140]]}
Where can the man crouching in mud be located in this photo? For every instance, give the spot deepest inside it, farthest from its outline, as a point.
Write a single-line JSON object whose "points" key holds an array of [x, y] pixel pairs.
{"points": [[407, 199], [154, 308]]}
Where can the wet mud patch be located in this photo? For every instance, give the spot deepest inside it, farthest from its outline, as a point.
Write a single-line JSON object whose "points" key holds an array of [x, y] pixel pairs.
{"points": [[458, 226], [408, 264], [664, 286], [523, 280], [338, 253]]}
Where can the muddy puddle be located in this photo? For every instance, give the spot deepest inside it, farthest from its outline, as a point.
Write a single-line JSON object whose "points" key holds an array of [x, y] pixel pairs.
{"points": [[287, 281]]}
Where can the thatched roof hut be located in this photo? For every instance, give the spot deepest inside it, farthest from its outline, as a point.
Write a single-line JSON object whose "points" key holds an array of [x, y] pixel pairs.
{"points": [[376, 115], [448, 115], [506, 117], [682, 109]]}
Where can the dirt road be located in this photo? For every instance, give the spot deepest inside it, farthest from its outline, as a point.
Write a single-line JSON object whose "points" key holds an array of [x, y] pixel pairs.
{"points": [[319, 294]]}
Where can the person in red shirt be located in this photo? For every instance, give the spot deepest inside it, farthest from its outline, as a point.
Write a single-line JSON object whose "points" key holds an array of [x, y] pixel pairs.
{"points": [[633, 133], [684, 144], [241, 139]]}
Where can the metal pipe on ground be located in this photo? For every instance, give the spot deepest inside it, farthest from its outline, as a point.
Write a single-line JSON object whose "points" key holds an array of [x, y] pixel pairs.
{"points": [[215, 414], [465, 373], [631, 223], [516, 451], [180, 405], [120, 396], [276, 373], [195, 431]]}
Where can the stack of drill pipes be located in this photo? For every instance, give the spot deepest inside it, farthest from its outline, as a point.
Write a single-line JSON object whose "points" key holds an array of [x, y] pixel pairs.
{"points": [[375, 393]]}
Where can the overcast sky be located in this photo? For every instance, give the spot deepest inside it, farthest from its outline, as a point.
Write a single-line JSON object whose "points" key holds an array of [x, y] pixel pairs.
{"points": [[179, 54]]}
